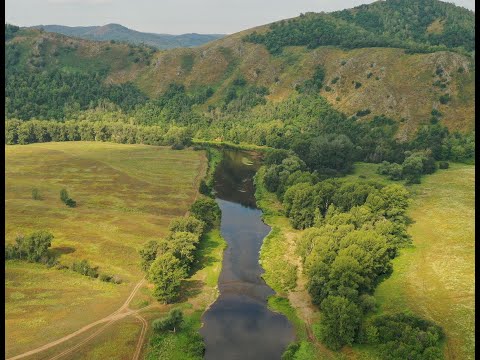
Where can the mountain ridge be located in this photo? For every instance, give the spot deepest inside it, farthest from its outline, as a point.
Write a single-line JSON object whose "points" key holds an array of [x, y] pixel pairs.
{"points": [[118, 32]]}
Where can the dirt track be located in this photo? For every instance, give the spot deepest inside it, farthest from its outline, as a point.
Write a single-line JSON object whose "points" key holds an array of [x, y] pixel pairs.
{"points": [[122, 312]]}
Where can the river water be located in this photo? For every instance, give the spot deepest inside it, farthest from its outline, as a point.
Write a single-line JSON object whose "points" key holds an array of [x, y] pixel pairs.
{"points": [[239, 325]]}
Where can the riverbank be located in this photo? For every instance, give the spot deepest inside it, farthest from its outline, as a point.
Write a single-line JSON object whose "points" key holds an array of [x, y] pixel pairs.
{"points": [[199, 291], [283, 273]]}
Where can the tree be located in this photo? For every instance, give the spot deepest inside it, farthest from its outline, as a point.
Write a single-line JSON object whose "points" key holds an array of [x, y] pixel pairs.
{"points": [[187, 224], [148, 253], [64, 195], [340, 322], [183, 244], [35, 246], [206, 210], [331, 154], [166, 273], [171, 322]]}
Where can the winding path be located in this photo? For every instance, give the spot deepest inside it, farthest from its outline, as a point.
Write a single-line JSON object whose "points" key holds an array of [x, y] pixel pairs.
{"points": [[122, 312]]}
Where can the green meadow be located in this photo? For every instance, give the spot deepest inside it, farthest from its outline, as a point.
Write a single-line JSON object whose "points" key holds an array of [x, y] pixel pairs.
{"points": [[125, 194]]}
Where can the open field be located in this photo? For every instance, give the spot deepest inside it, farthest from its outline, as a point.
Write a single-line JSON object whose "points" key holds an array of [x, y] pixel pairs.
{"points": [[436, 277], [126, 195]]}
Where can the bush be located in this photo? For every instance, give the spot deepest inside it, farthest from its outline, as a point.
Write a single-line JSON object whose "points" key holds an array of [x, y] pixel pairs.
{"points": [[357, 84], [403, 336], [170, 323], [71, 203], [443, 165], [84, 268], [36, 194], [444, 99]]}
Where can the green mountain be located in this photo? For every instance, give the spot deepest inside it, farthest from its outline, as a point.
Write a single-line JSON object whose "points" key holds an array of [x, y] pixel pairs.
{"points": [[118, 32], [279, 78]]}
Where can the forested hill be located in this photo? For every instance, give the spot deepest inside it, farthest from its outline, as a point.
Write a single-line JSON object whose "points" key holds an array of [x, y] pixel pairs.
{"points": [[266, 84], [416, 25], [118, 32]]}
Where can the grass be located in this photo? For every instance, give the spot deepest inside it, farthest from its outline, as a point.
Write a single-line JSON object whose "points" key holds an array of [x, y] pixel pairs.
{"points": [[435, 277], [125, 196]]}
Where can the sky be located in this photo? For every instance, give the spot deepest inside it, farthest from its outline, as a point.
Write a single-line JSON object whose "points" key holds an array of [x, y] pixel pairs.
{"points": [[172, 16]]}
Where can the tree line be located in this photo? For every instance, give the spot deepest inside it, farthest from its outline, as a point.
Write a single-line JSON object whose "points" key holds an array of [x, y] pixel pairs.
{"points": [[168, 261], [353, 231]]}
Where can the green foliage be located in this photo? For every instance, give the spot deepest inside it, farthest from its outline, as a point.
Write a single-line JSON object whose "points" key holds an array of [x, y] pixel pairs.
{"points": [[331, 154], [443, 165], [384, 24], [402, 336], [49, 94], [148, 253], [36, 194], [187, 224], [10, 31], [66, 199], [84, 268], [184, 344], [314, 84], [206, 210], [171, 322], [444, 99], [166, 273], [340, 322], [32, 248]]}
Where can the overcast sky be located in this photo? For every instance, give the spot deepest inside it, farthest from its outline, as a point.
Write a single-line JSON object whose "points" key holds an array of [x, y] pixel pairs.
{"points": [[171, 16]]}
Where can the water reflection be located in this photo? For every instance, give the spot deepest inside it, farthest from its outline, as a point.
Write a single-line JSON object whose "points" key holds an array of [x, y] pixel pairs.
{"points": [[239, 325]]}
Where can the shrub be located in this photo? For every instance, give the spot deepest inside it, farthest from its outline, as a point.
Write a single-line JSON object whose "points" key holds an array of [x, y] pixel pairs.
{"points": [[36, 194], [335, 79], [357, 84], [444, 99], [84, 268], [443, 165], [403, 336], [71, 203], [169, 323]]}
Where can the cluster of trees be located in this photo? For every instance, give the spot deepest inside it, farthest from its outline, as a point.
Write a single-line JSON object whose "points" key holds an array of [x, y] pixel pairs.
{"points": [[353, 230], [402, 24], [413, 167], [314, 84], [67, 200], [403, 336], [168, 261], [33, 131], [32, 248]]}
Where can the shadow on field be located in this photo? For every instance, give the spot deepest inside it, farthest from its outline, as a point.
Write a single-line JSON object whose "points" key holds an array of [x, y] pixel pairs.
{"points": [[190, 289]]}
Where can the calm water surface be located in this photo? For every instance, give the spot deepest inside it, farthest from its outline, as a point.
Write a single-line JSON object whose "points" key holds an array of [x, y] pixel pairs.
{"points": [[239, 325]]}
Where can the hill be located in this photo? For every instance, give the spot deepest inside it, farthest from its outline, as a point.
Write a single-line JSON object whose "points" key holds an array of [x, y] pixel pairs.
{"points": [[118, 32], [420, 70]]}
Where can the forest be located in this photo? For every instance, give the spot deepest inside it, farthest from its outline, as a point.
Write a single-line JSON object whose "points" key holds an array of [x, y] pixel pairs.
{"points": [[402, 24]]}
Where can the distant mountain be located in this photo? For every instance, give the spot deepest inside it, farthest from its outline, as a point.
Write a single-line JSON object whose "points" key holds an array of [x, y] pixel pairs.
{"points": [[121, 33]]}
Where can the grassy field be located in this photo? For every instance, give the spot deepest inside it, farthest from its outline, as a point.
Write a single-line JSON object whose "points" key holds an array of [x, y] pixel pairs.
{"points": [[436, 277], [126, 195]]}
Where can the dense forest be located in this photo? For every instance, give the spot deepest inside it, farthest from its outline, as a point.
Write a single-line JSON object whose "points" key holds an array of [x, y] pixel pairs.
{"points": [[418, 26]]}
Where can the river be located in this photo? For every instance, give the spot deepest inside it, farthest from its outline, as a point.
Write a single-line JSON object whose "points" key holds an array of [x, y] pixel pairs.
{"points": [[239, 325]]}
